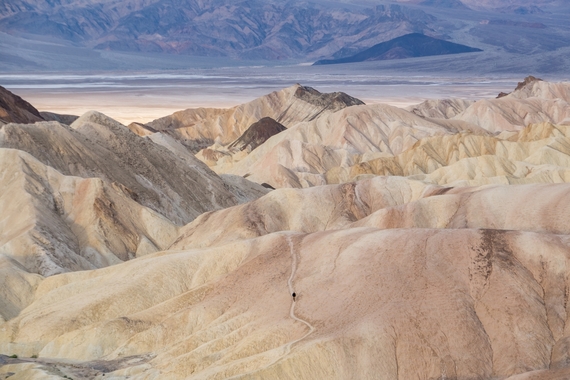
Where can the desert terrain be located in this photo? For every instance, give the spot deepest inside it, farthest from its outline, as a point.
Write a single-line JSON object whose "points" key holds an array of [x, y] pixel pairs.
{"points": [[427, 241], [142, 97]]}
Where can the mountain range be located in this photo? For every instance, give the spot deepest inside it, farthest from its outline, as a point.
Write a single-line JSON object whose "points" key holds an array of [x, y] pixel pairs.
{"points": [[269, 30]]}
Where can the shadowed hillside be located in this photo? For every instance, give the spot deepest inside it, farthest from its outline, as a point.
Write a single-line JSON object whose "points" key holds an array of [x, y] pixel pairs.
{"points": [[408, 46]]}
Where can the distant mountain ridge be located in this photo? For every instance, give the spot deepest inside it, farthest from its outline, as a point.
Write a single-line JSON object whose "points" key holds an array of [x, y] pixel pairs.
{"points": [[485, 4], [408, 46], [245, 30], [100, 34]]}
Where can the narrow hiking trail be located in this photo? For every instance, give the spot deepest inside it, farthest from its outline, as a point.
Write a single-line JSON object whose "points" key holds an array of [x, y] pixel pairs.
{"points": [[287, 348], [291, 290]]}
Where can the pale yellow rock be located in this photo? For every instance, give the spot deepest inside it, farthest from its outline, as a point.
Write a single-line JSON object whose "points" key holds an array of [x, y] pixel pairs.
{"points": [[70, 223], [538, 154], [447, 260], [417, 302], [325, 149], [537, 102]]}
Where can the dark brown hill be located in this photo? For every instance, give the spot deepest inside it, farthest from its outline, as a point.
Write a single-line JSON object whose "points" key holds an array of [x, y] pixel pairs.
{"points": [[14, 109], [333, 101], [258, 133]]}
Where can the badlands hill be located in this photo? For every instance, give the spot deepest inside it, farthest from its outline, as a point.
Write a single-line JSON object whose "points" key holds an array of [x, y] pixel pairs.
{"points": [[423, 243], [343, 143], [197, 128], [94, 194]]}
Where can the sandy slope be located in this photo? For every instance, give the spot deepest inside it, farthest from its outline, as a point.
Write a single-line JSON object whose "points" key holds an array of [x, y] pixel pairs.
{"points": [[407, 303], [94, 194]]}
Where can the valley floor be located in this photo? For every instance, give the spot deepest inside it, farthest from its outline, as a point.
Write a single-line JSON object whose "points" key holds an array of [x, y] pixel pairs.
{"points": [[146, 96]]}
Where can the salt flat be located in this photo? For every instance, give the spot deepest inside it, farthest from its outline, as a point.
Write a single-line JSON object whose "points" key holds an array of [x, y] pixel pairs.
{"points": [[146, 96]]}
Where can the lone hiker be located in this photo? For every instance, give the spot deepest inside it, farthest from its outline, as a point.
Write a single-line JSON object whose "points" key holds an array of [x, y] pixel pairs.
{"points": [[294, 295]]}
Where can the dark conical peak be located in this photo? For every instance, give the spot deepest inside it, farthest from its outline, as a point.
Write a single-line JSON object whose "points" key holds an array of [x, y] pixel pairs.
{"points": [[407, 46], [332, 101], [257, 133]]}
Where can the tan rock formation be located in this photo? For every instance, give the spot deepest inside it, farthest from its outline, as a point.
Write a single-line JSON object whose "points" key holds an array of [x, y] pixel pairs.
{"points": [[97, 146], [307, 210], [337, 147], [53, 223], [447, 258], [94, 195], [242, 190], [199, 128], [533, 102], [308, 150], [67, 215], [537, 154]]}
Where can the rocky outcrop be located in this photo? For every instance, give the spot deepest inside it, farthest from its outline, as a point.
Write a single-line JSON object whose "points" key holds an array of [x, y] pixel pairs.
{"points": [[326, 102], [528, 80], [257, 133], [14, 109]]}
